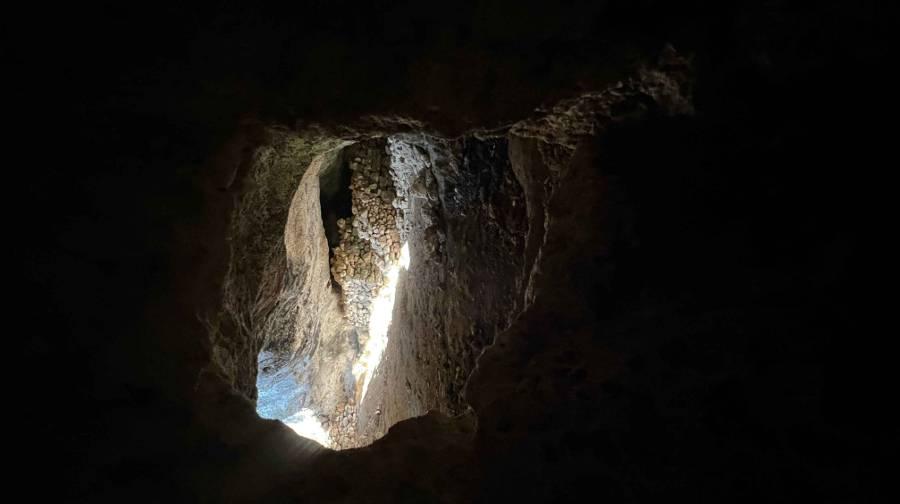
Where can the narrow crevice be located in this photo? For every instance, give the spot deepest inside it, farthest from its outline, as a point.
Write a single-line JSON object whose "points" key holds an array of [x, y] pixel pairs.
{"points": [[335, 197]]}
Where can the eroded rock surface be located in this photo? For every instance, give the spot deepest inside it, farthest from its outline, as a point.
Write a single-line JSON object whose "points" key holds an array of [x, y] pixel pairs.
{"points": [[458, 212]]}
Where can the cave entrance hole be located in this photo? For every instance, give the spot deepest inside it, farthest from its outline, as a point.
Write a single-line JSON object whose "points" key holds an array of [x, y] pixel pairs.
{"points": [[362, 205], [407, 255]]}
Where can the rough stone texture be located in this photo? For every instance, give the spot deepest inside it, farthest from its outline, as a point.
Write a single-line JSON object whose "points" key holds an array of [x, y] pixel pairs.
{"points": [[465, 236], [321, 337], [460, 210], [261, 272], [703, 299], [369, 239]]}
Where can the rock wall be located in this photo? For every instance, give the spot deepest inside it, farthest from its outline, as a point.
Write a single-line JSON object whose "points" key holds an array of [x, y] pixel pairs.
{"points": [[457, 207], [465, 236], [369, 240], [254, 313]]}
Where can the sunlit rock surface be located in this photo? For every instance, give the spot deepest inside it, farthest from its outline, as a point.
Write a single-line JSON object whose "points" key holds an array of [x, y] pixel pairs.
{"points": [[281, 393]]}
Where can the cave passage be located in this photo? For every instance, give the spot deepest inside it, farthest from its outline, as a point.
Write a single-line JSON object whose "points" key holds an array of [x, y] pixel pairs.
{"points": [[361, 217], [405, 257]]}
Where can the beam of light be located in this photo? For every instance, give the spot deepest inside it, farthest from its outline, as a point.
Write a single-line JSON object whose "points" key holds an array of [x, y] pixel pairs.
{"points": [[379, 323], [404, 256]]}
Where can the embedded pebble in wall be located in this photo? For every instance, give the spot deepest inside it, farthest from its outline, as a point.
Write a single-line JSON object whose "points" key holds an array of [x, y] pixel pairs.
{"points": [[370, 238]]}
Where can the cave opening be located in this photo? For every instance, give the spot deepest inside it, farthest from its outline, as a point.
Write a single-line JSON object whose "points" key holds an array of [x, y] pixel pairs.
{"points": [[401, 266], [361, 207]]}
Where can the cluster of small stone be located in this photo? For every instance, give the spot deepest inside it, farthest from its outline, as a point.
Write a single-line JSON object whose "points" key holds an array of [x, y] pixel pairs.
{"points": [[369, 240], [342, 428]]}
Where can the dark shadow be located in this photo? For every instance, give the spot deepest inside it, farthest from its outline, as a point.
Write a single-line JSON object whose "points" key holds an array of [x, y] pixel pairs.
{"points": [[335, 198]]}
